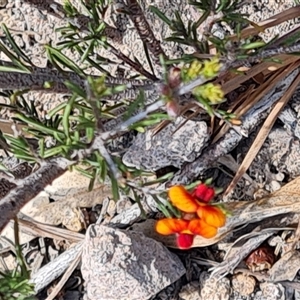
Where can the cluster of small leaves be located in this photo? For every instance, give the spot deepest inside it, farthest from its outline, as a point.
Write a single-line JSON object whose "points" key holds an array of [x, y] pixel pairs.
{"points": [[15, 284], [86, 43], [187, 34], [17, 57], [70, 130]]}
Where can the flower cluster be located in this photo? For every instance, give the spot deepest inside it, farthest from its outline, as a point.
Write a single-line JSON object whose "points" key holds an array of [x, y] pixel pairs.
{"points": [[212, 93], [198, 217], [209, 69]]}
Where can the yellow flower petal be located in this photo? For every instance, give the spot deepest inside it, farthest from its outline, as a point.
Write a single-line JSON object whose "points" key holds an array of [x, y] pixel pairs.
{"points": [[211, 215], [211, 68], [170, 226], [199, 227], [180, 198]]}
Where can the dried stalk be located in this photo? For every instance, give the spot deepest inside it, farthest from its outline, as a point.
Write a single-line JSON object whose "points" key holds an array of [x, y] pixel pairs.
{"points": [[45, 275], [262, 135], [144, 30], [39, 76], [29, 187]]}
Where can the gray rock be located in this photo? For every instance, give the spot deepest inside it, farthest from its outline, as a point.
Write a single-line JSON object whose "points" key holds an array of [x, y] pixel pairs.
{"points": [[173, 145], [118, 264], [270, 291], [190, 291], [214, 289]]}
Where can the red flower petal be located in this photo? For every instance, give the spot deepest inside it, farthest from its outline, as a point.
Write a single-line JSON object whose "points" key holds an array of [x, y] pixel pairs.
{"points": [[180, 198], [211, 215], [204, 193], [185, 241], [170, 226], [199, 227]]}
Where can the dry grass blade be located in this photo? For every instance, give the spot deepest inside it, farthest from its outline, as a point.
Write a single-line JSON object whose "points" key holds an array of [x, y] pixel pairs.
{"points": [[65, 277], [285, 15], [265, 67], [43, 230], [293, 244], [6, 126], [260, 27], [264, 88], [263, 133]]}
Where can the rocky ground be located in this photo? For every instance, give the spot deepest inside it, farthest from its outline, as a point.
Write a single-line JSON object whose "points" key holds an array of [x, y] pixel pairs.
{"points": [[129, 264]]}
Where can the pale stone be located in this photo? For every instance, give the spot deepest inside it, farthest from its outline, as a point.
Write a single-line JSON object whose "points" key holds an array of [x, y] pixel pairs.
{"points": [[213, 288], [190, 291], [118, 264], [243, 284]]}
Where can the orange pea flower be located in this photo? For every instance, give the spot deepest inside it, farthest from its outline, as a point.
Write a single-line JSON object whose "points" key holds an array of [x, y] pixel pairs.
{"points": [[198, 217]]}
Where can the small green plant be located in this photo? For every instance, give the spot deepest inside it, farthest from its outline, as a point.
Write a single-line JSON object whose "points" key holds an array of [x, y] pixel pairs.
{"points": [[15, 284]]}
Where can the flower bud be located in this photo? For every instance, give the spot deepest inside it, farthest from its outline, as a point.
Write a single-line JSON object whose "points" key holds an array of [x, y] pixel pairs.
{"points": [[174, 78], [185, 241], [204, 193], [165, 90], [172, 108]]}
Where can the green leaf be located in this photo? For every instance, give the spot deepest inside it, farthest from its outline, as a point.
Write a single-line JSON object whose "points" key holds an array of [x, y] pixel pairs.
{"points": [[160, 179], [55, 110], [253, 45], [57, 56], [38, 126], [88, 51], [41, 147], [18, 64], [180, 23], [24, 156], [103, 169], [114, 187], [90, 134], [148, 58], [54, 151], [178, 40], [151, 120], [140, 129], [92, 180], [138, 201], [223, 5], [13, 69], [160, 14], [66, 115], [162, 207], [138, 103], [19, 142], [15, 47], [85, 173], [73, 87], [202, 19]]}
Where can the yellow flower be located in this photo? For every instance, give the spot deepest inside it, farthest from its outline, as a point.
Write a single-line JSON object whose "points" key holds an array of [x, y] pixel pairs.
{"points": [[211, 92], [211, 68], [193, 71]]}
